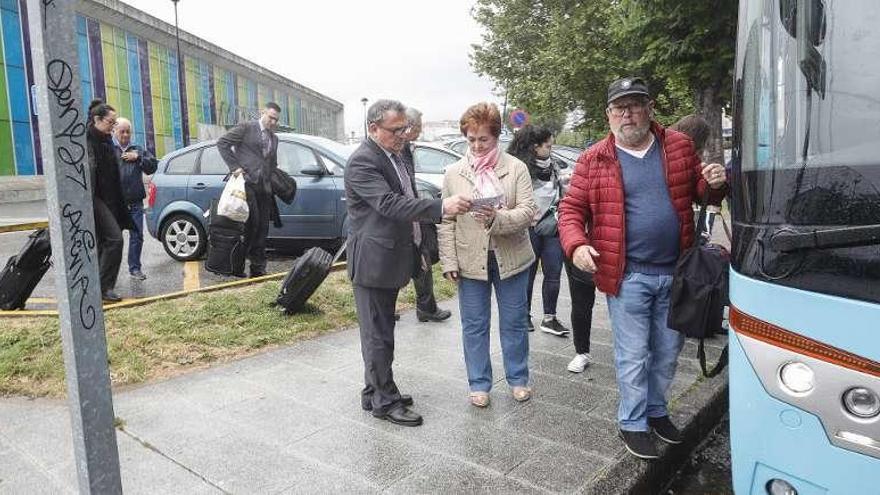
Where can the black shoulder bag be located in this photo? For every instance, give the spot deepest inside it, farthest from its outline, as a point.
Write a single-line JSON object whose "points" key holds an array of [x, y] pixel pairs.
{"points": [[699, 292]]}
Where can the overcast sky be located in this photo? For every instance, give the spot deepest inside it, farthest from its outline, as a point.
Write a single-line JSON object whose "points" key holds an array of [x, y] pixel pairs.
{"points": [[415, 51]]}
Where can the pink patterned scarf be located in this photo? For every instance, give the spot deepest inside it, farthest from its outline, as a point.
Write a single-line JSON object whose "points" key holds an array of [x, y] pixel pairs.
{"points": [[487, 184]]}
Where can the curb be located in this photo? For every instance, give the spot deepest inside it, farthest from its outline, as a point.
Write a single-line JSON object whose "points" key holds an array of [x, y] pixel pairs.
{"points": [[698, 410], [19, 227], [128, 303]]}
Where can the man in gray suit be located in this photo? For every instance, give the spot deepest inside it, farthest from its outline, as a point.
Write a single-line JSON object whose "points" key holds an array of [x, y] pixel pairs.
{"points": [[251, 148], [383, 249]]}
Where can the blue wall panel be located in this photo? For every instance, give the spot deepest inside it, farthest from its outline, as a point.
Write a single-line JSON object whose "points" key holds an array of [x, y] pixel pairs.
{"points": [[176, 119], [85, 62], [18, 89], [137, 97]]}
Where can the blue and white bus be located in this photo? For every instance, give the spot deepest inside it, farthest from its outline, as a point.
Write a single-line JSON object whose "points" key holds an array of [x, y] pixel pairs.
{"points": [[805, 279]]}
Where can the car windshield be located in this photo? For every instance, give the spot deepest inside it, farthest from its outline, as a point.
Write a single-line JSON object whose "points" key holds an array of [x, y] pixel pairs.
{"points": [[343, 151], [568, 153]]}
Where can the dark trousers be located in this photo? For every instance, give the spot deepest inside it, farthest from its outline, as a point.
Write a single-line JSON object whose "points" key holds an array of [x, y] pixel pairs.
{"points": [[375, 311], [135, 236], [110, 243], [257, 226], [424, 285], [548, 251], [583, 296]]}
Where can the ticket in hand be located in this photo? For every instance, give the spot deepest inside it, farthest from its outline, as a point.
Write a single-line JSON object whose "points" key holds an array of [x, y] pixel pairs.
{"points": [[478, 203]]}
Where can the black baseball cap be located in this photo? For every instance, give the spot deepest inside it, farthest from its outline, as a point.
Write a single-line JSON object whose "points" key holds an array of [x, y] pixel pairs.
{"points": [[627, 86]]}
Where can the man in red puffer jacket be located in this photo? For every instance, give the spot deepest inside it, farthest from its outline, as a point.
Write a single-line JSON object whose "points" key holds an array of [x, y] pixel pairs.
{"points": [[627, 217]]}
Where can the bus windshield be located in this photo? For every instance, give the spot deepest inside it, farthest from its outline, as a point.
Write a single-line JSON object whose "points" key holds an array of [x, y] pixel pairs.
{"points": [[807, 150]]}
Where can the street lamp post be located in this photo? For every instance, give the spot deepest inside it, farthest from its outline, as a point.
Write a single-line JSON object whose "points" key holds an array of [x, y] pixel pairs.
{"points": [[364, 101], [181, 83]]}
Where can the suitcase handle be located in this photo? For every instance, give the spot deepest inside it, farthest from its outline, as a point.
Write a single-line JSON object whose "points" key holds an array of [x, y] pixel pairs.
{"points": [[339, 253]]}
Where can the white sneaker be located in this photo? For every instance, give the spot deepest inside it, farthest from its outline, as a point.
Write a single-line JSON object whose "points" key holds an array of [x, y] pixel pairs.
{"points": [[579, 363]]}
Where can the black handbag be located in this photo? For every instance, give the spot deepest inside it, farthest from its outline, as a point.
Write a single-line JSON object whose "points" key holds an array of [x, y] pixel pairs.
{"points": [[548, 226], [283, 185], [700, 292]]}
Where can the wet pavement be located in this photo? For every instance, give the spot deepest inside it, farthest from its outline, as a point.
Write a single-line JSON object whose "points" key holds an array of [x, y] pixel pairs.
{"points": [[707, 472]]}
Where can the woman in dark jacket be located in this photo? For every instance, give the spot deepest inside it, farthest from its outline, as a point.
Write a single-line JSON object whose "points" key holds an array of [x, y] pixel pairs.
{"points": [[532, 145], [111, 215]]}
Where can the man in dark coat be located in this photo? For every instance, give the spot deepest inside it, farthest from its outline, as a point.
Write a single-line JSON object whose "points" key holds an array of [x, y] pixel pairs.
{"points": [[134, 162], [383, 253], [251, 148]]}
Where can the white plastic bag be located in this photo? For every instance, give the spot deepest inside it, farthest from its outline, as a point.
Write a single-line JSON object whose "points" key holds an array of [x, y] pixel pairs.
{"points": [[233, 201]]}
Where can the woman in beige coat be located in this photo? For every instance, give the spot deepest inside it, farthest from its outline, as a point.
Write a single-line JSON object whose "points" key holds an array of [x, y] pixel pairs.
{"points": [[490, 247]]}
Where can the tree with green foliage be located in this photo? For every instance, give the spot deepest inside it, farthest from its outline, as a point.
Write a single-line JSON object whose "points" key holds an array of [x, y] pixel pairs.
{"points": [[553, 57]]}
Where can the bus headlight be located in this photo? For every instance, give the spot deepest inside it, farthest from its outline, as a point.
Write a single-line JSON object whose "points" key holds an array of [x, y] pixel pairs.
{"points": [[796, 377], [861, 402]]}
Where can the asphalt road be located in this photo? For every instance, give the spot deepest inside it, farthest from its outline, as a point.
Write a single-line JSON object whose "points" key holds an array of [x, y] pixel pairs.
{"points": [[708, 470]]}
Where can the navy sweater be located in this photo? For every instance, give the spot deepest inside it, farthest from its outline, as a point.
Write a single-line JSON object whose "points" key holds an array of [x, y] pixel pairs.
{"points": [[651, 222]]}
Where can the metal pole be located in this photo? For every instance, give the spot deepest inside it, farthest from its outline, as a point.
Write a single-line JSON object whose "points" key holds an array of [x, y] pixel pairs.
{"points": [[181, 83], [72, 227], [504, 117], [364, 101]]}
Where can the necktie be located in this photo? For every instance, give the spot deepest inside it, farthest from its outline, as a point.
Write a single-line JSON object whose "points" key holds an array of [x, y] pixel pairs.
{"points": [[267, 142], [406, 184]]}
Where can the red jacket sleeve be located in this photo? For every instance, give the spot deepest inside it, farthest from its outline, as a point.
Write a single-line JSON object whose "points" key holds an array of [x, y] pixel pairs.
{"points": [[574, 209]]}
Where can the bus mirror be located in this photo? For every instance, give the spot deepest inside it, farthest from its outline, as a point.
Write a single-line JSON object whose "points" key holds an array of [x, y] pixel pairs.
{"points": [[814, 19]]}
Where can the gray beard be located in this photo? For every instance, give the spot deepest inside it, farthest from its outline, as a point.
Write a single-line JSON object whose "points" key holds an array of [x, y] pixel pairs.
{"points": [[634, 138]]}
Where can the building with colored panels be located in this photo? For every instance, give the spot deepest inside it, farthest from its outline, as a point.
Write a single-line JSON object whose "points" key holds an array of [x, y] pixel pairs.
{"points": [[129, 59]]}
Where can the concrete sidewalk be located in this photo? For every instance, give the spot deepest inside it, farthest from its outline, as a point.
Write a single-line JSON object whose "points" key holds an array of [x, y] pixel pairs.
{"points": [[289, 421]]}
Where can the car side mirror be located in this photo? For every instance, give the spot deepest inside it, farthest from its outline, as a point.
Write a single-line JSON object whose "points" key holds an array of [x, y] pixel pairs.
{"points": [[313, 171]]}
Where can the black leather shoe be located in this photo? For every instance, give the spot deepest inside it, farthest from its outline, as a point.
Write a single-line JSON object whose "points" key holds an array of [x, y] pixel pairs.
{"points": [[439, 315], [110, 296], [402, 416], [258, 273], [367, 404]]}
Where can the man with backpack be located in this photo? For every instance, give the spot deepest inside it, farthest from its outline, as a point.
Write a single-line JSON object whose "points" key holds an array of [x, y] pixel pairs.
{"points": [[626, 218]]}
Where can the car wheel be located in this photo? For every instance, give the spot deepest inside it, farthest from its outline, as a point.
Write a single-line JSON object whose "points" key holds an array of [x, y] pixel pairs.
{"points": [[183, 237]]}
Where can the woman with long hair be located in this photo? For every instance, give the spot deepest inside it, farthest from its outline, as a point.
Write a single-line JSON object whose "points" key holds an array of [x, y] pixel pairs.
{"points": [[532, 145], [489, 248]]}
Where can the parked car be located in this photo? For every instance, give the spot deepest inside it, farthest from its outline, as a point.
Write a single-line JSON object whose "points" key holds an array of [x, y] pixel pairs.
{"points": [[431, 161], [189, 179]]}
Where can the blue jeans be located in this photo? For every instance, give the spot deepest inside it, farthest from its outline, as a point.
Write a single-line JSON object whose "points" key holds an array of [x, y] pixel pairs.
{"points": [[645, 349], [475, 300], [135, 236], [548, 251]]}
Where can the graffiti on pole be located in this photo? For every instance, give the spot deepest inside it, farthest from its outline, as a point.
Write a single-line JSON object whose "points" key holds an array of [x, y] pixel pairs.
{"points": [[63, 133]]}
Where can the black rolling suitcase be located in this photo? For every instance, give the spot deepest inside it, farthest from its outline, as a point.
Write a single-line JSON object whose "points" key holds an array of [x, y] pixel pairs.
{"points": [[25, 270], [226, 248], [307, 274]]}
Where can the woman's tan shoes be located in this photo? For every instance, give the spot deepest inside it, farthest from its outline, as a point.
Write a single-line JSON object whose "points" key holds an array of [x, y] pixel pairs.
{"points": [[522, 394], [479, 399]]}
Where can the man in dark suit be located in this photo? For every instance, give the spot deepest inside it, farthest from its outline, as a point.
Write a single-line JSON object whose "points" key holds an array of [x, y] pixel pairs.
{"points": [[383, 253], [251, 148]]}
